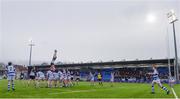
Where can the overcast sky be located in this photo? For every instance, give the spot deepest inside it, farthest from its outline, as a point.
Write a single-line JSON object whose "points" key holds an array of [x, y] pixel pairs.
{"points": [[86, 30]]}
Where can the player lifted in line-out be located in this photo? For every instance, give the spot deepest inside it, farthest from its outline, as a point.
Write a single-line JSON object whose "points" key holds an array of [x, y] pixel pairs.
{"points": [[11, 72], [54, 57], [53, 60], [156, 79]]}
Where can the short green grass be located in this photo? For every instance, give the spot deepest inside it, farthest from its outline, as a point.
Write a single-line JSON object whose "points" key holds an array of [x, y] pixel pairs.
{"points": [[85, 90], [177, 90]]}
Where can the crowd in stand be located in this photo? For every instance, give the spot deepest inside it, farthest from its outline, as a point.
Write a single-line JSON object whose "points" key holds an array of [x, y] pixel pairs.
{"points": [[136, 75]]}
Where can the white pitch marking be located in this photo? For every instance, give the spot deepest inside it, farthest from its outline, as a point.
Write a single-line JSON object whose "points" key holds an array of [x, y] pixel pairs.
{"points": [[174, 93]]}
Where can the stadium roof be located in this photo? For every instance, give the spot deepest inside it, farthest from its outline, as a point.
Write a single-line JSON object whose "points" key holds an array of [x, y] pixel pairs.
{"points": [[132, 63]]}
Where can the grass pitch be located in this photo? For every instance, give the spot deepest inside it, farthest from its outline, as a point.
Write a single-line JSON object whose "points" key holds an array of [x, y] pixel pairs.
{"points": [[85, 90]]}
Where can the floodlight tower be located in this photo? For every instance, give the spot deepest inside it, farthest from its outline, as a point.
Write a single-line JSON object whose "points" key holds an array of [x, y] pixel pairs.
{"points": [[172, 19], [31, 44]]}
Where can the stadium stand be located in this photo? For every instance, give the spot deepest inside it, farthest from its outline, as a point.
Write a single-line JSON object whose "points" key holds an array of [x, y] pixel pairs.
{"points": [[124, 71]]}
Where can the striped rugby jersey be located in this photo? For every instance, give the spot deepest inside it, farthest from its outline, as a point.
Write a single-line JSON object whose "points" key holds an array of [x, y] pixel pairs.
{"points": [[155, 75], [11, 71]]}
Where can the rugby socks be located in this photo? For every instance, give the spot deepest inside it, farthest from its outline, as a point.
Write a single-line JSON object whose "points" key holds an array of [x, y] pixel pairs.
{"points": [[8, 85], [13, 85], [153, 88], [164, 88]]}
